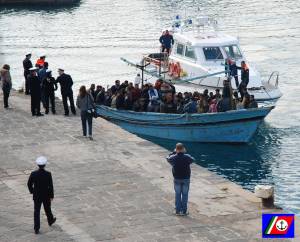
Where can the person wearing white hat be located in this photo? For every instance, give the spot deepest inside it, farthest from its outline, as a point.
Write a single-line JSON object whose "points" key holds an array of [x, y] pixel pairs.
{"points": [[27, 64], [40, 185]]}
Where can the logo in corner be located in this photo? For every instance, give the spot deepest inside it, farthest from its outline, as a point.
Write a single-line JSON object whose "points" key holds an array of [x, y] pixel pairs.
{"points": [[278, 225]]}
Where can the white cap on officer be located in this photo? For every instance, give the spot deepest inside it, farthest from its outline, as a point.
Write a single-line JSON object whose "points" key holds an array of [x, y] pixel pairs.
{"points": [[33, 69], [41, 161]]}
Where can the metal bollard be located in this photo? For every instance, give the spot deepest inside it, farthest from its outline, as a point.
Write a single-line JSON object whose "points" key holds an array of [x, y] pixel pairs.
{"points": [[266, 193]]}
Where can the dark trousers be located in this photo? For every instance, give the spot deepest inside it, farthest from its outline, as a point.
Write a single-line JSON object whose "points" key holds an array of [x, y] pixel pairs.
{"points": [[165, 49], [5, 97], [27, 90], [86, 118], [65, 103], [43, 98], [50, 97], [35, 104], [236, 78], [37, 209]]}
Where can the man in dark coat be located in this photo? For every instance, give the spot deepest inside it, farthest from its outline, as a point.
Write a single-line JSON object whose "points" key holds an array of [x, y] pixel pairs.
{"points": [[27, 64], [66, 84], [244, 77], [35, 92], [166, 41], [181, 170], [49, 86], [230, 66], [40, 185]]}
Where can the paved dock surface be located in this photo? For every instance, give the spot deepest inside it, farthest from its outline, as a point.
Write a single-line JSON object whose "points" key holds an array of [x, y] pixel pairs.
{"points": [[115, 188]]}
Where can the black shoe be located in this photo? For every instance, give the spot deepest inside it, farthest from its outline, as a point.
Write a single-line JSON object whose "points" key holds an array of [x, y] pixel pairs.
{"points": [[52, 222], [46, 112], [53, 112], [36, 231], [40, 115], [33, 114], [74, 113], [66, 114]]}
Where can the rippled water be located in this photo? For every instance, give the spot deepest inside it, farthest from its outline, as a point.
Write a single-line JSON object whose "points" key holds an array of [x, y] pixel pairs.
{"points": [[88, 39]]}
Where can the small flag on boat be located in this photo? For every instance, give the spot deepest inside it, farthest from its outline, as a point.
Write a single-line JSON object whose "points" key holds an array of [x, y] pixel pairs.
{"points": [[278, 225]]}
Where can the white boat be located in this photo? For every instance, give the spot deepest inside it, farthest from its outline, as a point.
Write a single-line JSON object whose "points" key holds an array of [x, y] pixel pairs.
{"points": [[199, 55]]}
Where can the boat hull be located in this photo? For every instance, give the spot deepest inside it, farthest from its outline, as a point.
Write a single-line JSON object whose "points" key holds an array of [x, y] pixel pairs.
{"points": [[229, 127]]}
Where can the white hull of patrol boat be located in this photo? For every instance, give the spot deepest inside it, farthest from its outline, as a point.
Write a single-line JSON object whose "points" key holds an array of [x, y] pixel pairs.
{"points": [[197, 61]]}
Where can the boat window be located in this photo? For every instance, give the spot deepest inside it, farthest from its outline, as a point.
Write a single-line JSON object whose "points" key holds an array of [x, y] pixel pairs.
{"points": [[189, 52], [232, 51], [179, 49], [213, 53]]}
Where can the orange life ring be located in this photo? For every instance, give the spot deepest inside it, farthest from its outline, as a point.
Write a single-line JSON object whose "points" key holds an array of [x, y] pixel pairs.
{"points": [[171, 69], [177, 70]]}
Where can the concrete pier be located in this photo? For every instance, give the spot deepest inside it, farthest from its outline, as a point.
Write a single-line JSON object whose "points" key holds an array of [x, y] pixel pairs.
{"points": [[115, 188]]}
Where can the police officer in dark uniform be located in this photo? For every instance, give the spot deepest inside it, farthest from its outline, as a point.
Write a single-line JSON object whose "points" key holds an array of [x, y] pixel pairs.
{"points": [[49, 86], [27, 64], [35, 92], [41, 186], [66, 84]]}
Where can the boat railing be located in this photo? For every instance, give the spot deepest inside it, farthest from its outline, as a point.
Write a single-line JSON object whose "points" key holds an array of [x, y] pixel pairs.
{"points": [[160, 60], [274, 75]]}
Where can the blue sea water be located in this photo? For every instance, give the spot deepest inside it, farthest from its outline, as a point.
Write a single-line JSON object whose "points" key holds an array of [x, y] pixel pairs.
{"points": [[87, 40]]}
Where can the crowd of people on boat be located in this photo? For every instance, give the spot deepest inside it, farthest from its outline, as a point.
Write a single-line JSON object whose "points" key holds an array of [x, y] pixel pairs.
{"points": [[162, 97]]}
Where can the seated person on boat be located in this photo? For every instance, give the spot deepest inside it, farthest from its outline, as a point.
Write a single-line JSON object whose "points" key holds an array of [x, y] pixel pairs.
{"points": [[162, 98]]}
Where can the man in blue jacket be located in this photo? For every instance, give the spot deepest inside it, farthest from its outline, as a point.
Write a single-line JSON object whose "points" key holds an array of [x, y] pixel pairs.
{"points": [[166, 41], [181, 170]]}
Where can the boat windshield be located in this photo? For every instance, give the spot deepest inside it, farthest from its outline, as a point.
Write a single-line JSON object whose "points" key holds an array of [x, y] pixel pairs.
{"points": [[233, 52], [213, 53]]}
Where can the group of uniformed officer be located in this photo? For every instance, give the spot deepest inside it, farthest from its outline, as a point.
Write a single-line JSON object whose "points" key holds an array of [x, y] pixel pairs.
{"points": [[41, 86]]}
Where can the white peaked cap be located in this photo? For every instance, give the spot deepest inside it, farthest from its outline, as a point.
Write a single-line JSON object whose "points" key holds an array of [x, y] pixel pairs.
{"points": [[33, 69], [42, 160], [47, 71]]}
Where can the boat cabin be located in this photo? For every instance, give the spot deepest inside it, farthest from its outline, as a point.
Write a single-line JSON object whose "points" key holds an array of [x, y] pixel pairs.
{"points": [[206, 49]]}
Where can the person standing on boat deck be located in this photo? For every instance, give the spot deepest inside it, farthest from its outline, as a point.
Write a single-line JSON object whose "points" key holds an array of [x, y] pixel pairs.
{"points": [[35, 92], [244, 77], [166, 41], [137, 80], [85, 103], [5, 79], [49, 86], [40, 185], [66, 84], [27, 64], [233, 71], [181, 170]]}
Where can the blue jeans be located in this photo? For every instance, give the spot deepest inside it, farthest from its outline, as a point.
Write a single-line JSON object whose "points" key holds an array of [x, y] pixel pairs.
{"points": [[181, 187], [86, 118]]}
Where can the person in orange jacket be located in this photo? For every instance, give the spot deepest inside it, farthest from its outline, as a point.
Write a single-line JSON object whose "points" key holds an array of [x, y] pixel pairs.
{"points": [[40, 62]]}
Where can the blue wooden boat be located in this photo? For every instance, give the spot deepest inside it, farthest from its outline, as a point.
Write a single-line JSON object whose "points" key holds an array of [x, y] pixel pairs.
{"points": [[236, 126]]}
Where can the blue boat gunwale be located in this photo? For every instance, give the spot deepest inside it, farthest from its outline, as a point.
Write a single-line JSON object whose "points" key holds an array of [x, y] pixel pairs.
{"points": [[187, 115]]}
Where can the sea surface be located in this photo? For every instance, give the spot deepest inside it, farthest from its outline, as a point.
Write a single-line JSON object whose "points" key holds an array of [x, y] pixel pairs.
{"points": [[88, 39]]}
